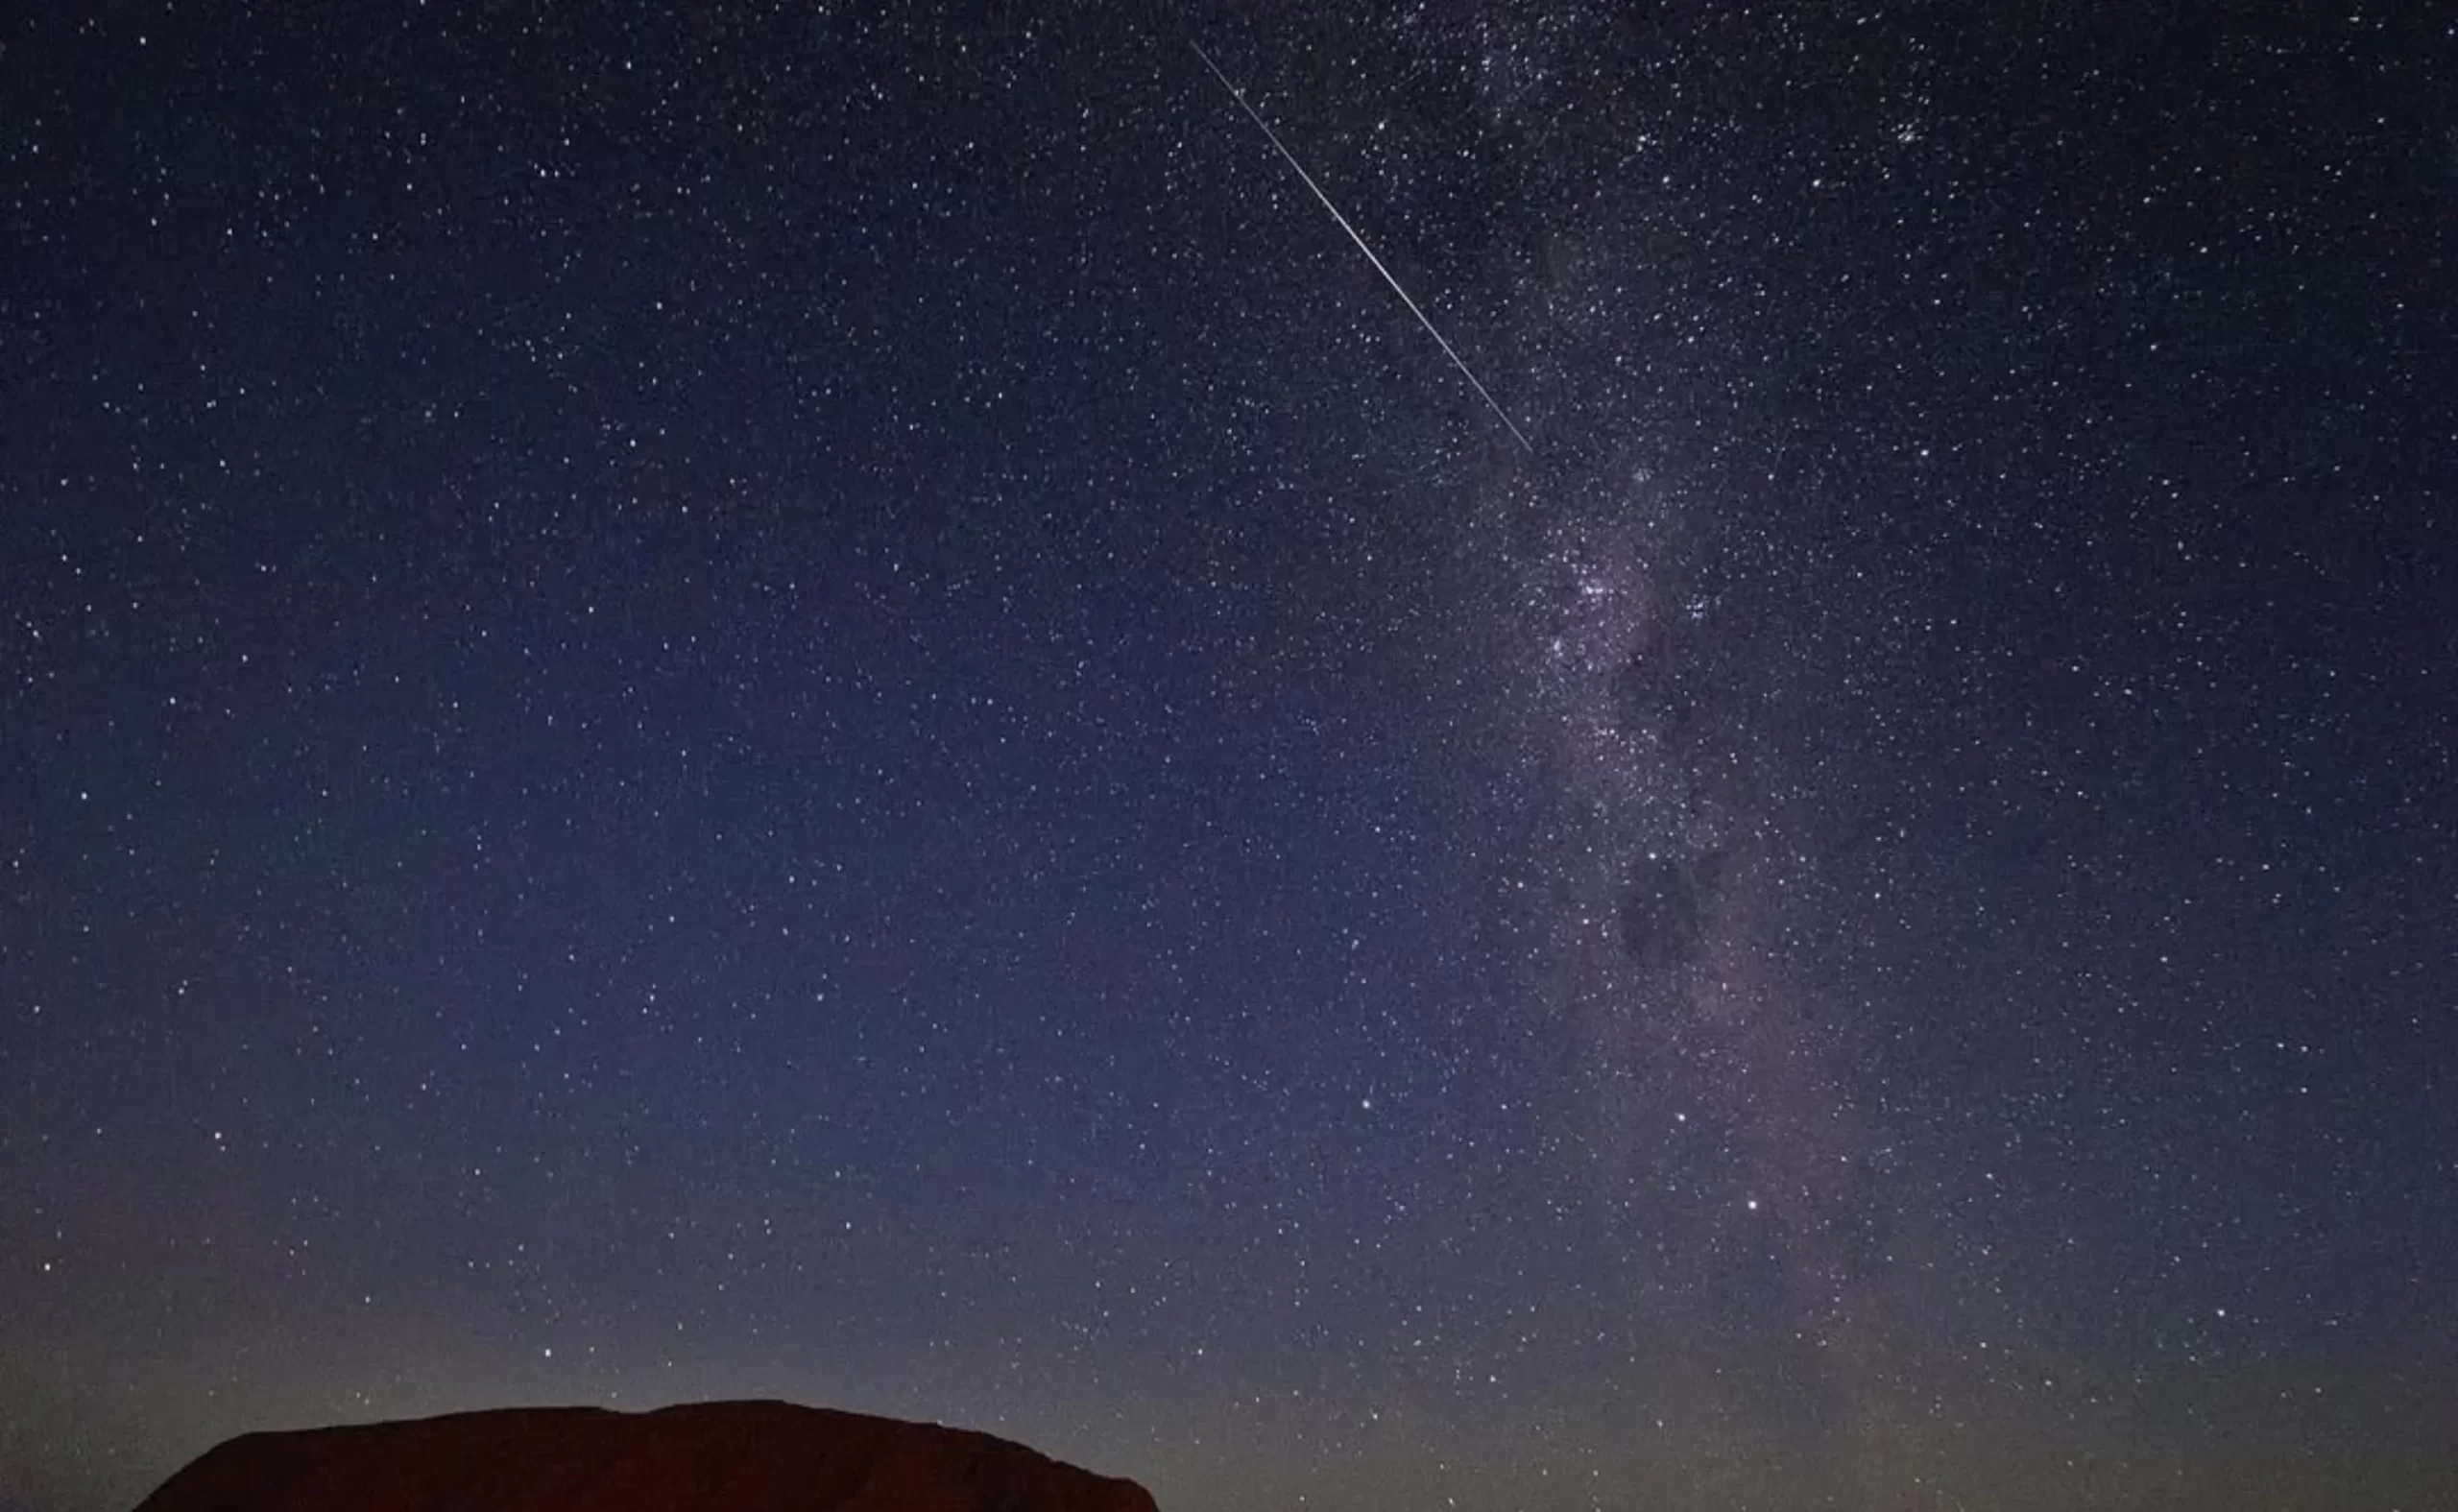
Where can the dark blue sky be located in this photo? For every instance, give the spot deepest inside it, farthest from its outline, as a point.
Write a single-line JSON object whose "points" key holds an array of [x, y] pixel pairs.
{"points": [[827, 702]]}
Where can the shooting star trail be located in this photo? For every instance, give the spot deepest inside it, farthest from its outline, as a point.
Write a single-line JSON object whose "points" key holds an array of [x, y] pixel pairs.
{"points": [[1290, 159]]}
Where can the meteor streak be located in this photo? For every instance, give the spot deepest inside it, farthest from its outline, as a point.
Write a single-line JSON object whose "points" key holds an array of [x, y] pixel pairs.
{"points": [[1290, 159]]}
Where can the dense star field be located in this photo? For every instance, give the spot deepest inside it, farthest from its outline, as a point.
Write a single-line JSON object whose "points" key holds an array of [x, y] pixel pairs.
{"points": [[830, 700]]}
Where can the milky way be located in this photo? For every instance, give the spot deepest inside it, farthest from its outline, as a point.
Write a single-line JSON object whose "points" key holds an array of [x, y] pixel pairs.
{"points": [[1657, 706], [1657, 676], [1675, 772]]}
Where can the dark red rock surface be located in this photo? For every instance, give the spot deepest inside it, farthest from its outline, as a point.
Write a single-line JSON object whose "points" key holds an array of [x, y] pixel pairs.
{"points": [[717, 1456]]}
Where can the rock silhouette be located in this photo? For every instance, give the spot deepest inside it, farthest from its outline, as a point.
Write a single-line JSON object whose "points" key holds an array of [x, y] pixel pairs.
{"points": [[718, 1457]]}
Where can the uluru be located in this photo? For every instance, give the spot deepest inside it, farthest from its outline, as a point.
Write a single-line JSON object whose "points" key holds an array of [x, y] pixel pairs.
{"points": [[718, 1457]]}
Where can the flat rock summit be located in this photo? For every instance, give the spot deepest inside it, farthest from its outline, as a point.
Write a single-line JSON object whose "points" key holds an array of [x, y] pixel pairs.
{"points": [[717, 1456]]}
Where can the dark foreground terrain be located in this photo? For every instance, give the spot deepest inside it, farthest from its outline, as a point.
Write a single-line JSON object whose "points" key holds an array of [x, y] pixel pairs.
{"points": [[719, 1456]]}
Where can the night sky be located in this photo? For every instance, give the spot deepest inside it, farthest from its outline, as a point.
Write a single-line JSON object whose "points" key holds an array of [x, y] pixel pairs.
{"points": [[830, 700]]}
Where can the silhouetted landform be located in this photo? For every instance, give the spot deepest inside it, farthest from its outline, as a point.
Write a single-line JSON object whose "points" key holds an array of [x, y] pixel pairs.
{"points": [[717, 1457]]}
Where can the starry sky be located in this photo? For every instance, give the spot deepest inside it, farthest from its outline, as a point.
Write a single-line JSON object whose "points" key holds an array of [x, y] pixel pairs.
{"points": [[827, 700]]}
